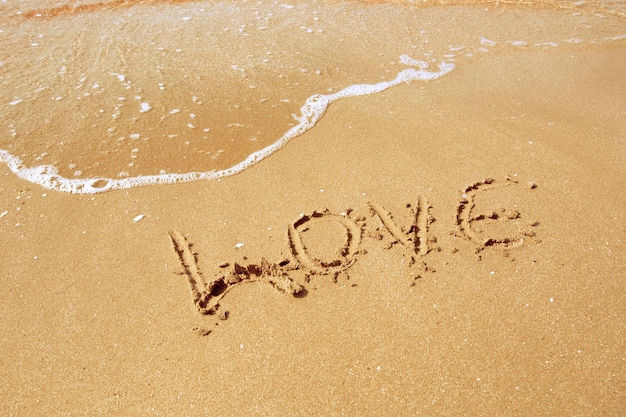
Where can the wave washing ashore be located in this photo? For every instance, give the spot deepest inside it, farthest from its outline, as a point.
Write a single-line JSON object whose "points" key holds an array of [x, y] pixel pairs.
{"points": [[311, 112], [437, 36]]}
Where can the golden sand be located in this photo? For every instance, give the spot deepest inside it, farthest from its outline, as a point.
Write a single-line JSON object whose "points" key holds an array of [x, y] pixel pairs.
{"points": [[453, 247]]}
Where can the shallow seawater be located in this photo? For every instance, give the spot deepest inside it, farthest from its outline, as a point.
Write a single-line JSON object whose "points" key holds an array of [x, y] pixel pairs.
{"points": [[107, 95]]}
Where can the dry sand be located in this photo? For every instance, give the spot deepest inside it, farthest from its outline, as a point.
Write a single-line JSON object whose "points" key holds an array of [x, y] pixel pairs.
{"points": [[454, 250]]}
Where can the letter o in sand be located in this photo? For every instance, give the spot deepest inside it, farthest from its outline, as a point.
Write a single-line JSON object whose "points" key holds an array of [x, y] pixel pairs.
{"points": [[345, 257]]}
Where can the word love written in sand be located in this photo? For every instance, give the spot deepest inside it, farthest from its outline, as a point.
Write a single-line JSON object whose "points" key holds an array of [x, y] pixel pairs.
{"points": [[292, 275]]}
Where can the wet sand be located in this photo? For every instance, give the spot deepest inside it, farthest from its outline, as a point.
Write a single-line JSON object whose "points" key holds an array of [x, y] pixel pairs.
{"points": [[442, 248]]}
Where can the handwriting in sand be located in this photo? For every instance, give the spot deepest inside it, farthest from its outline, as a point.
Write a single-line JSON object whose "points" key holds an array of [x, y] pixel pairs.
{"points": [[291, 275]]}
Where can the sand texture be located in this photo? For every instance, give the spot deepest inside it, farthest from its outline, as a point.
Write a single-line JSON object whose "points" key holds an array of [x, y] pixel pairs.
{"points": [[445, 247]]}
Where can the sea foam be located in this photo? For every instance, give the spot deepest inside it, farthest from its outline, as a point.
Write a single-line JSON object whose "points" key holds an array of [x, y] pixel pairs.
{"points": [[310, 113]]}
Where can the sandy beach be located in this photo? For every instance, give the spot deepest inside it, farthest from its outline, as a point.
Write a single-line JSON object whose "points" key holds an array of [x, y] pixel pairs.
{"points": [[444, 247]]}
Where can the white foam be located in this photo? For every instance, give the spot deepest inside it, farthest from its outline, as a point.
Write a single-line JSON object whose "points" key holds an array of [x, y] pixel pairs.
{"points": [[547, 44], [407, 60], [313, 109], [145, 107]]}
